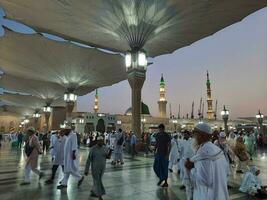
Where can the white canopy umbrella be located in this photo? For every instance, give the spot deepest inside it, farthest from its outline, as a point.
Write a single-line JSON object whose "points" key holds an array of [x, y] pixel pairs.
{"points": [[28, 101], [159, 26], [47, 91], [35, 57], [16, 110]]}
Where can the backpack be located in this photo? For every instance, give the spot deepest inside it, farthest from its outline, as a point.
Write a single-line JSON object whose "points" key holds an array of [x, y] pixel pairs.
{"points": [[28, 149], [120, 141]]}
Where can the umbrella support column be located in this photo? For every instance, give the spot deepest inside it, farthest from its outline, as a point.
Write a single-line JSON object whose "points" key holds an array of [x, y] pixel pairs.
{"points": [[136, 79]]}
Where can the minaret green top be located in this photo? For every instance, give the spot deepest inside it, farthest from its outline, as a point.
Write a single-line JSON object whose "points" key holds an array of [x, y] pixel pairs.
{"points": [[208, 79], [96, 93], [162, 82]]}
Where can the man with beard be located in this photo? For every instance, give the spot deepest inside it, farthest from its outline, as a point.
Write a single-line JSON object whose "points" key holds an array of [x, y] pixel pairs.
{"points": [[208, 167]]}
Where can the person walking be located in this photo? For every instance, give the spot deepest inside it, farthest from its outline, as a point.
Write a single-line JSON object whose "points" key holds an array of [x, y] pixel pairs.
{"points": [[161, 162], [174, 154], [133, 142], [118, 148], [71, 165], [97, 160], [32, 151], [57, 154], [20, 139]]}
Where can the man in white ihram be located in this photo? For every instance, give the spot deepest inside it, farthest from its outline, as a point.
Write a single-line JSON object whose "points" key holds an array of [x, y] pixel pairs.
{"points": [[71, 165], [208, 167]]}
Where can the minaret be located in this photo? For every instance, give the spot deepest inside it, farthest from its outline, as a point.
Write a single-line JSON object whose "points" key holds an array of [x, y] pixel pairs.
{"points": [[96, 103], [162, 99], [210, 112]]}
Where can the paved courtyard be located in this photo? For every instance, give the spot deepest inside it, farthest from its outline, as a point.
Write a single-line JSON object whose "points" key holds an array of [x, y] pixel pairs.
{"points": [[135, 180]]}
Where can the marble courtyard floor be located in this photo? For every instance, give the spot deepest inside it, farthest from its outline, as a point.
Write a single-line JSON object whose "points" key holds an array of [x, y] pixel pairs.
{"points": [[135, 180]]}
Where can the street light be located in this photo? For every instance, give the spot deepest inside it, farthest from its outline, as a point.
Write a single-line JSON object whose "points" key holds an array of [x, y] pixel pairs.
{"points": [[175, 122], [70, 97], [136, 59], [225, 116], [143, 120], [260, 117], [136, 66], [47, 109], [36, 115]]}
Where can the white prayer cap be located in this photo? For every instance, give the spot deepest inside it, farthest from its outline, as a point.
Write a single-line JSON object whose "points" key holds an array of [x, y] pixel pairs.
{"points": [[222, 134], [99, 138], [203, 128]]}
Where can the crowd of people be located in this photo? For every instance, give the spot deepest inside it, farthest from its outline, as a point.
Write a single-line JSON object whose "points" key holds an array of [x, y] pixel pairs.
{"points": [[203, 160]]}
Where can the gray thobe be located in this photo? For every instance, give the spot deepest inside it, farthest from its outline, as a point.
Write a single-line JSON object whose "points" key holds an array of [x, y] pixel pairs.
{"points": [[97, 159]]}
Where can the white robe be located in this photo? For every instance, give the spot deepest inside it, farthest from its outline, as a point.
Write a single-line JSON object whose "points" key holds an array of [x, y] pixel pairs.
{"points": [[250, 183], [53, 140], [185, 152], [174, 154], [210, 173], [71, 145], [58, 150]]}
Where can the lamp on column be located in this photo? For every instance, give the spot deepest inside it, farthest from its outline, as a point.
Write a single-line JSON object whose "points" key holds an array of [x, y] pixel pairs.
{"points": [[260, 117], [136, 60], [70, 98], [175, 122], [136, 65], [225, 116], [143, 120], [47, 111]]}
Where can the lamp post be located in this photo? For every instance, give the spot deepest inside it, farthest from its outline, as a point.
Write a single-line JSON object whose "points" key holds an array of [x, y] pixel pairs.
{"points": [[36, 116], [175, 122], [143, 120], [70, 98], [47, 111], [260, 117], [225, 116], [136, 64]]}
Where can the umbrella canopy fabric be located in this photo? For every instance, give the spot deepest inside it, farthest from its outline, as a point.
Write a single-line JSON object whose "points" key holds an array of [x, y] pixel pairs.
{"points": [[27, 101], [34, 57], [159, 26], [44, 90], [16, 111]]}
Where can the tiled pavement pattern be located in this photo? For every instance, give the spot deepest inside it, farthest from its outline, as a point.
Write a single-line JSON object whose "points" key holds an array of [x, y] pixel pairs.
{"points": [[134, 181]]}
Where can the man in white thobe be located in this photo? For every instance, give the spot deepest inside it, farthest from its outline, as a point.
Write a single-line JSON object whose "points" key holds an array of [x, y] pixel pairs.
{"points": [[208, 167], [57, 154], [187, 181], [174, 154], [71, 165]]}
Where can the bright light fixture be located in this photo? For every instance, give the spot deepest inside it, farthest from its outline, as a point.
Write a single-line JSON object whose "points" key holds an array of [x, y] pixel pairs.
{"points": [[47, 109], [128, 59], [142, 61], [70, 97]]}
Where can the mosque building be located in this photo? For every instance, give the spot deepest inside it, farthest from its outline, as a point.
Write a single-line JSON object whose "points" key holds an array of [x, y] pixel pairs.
{"points": [[96, 121]]}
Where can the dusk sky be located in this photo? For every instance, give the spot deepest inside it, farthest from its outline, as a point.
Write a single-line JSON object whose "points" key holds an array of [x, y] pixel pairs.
{"points": [[236, 58]]}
